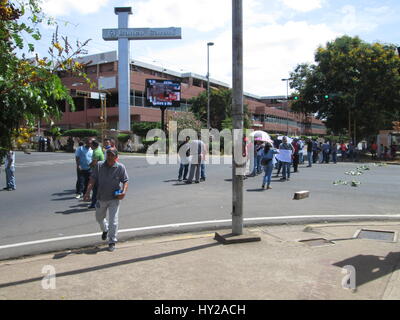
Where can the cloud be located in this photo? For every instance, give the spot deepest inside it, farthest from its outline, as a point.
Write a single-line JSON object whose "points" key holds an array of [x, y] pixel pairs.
{"points": [[271, 52], [65, 7], [203, 16], [303, 5], [362, 20]]}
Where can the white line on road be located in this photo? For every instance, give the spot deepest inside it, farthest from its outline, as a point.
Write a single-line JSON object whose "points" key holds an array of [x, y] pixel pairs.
{"points": [[177, 225]]}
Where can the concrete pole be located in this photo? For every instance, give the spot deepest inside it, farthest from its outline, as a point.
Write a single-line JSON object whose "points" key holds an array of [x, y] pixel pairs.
{"points": [[237, 113], [123, 71], [208, 84]]}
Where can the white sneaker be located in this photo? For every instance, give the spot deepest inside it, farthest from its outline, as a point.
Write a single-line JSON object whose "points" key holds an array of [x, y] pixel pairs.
{"points": [[78, 196]]}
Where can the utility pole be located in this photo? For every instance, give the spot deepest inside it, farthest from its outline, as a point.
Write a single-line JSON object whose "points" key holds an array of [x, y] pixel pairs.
{"points": [[208, 84], [237, 113]]}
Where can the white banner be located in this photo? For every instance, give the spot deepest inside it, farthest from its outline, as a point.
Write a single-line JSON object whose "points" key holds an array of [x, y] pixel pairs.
{"points": [[284, 155]]}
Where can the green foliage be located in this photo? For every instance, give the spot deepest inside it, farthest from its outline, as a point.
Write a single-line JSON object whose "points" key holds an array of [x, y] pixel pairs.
{"points": [[141, 128], [220, 108], [123, 137], [351, 78], [81, 133], [186, 120], [29, 89]]}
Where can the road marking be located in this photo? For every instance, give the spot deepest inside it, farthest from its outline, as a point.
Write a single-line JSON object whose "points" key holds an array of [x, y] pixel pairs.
{"points": [[177, 225]]}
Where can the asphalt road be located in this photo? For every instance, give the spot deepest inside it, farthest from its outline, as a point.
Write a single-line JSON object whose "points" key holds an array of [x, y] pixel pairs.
{"points": [[44, 204]]}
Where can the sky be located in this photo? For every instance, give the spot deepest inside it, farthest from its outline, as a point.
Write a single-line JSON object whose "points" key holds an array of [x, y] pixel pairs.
{"points": [[278, 34]]}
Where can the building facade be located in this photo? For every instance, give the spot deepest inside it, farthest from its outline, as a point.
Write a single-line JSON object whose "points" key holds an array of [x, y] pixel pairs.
{"points": [[270, 114]]}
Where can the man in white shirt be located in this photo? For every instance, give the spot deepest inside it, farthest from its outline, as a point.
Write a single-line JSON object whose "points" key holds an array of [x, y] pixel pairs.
{"points": [[197, 151]]}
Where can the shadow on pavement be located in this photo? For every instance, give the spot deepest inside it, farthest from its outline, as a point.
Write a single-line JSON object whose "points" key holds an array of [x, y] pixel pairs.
{"points": [[71, 211], [113, 265], [89, 251], [369, 268], [66, 192]]}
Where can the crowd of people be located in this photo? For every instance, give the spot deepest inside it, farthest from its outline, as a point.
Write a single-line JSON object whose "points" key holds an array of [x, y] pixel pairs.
{"points": [[281, 154]]}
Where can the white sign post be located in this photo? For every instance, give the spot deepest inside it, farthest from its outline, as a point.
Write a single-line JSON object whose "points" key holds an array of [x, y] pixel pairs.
{"points": [[124, 34]]}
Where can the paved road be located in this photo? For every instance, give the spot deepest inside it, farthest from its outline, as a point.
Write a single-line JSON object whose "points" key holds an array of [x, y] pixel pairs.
{"points": [[44, 205]]}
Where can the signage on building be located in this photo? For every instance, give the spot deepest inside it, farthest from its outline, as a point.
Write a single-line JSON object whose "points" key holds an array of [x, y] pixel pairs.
{"points": [[142, 33]]}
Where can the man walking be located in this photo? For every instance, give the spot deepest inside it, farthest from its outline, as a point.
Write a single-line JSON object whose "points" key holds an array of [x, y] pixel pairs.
{"points": [[83, 158], [109, 176], [97, 156]]}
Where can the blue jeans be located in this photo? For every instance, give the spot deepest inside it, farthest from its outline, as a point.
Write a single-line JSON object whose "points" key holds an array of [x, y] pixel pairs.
{"points": [[10, 178], [84, 176], [309, 158], [257, 164], [334, 157], [202, 171], [286, 170], [183, 168], [268, 173]]}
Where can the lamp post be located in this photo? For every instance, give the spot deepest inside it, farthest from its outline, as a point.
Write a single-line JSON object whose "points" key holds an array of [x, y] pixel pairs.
{"points": [[209, 44], [287, 104]]}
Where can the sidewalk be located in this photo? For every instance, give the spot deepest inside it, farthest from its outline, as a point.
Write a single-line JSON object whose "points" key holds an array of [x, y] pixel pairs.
{"points": [[195, 266]]}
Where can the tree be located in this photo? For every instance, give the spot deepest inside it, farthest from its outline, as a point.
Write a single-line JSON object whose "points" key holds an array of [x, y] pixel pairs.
{"points": [[220, 108], [30, 88], [354, 86], [186, 120]]}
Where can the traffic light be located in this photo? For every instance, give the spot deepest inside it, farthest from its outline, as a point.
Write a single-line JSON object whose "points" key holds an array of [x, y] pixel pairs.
{"points": [[326, 96], [295, 98]]}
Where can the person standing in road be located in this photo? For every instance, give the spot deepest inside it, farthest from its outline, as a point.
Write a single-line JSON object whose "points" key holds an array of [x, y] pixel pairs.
{"points": [[309, 152], [296, 156], [83, 157], [343, 150], [96, 157], [334, 150], [326, 151], [109, 176], [184, 159], [10, 170], [77, 171], [268, 162], [197, 150], [286, 165]]}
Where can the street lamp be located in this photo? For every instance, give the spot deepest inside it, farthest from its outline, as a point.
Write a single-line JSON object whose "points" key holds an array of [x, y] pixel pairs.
{"points": [[209, 44], [287, 104]]}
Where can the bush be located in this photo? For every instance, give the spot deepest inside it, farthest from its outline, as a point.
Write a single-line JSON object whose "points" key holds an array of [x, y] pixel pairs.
{"points": [[141, 128], [81, 133], [123, 137]]}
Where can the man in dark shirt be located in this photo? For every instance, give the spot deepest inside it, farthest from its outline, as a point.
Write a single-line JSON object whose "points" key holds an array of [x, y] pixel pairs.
{"points": [[309, 152], [109, 175]]}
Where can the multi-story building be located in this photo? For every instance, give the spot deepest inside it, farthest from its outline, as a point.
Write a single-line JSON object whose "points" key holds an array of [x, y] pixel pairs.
{"points": [[270, 114]]}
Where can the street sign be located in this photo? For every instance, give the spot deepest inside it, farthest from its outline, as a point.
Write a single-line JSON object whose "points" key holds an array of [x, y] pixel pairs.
{"points": [[142, 33]]}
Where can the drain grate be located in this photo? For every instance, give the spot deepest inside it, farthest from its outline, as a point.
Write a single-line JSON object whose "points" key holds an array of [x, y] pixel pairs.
{"points": [[317, 242], [376, 235]]}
